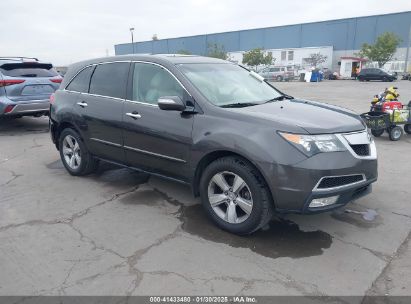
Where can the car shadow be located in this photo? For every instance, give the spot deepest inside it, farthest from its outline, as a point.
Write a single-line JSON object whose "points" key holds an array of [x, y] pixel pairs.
{"points": [[282, 237]]}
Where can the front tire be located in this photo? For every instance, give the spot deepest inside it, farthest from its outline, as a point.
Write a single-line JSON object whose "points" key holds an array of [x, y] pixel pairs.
{"points": [[407, 128], [279, 78], [74, 154], [235, 196], [377, 133]]}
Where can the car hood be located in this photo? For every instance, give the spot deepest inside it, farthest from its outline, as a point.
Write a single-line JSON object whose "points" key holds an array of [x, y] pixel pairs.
{"points": [[314, 117]]}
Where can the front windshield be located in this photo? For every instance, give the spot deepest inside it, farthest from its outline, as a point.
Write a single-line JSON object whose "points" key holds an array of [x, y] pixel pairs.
{"points": [[228, 84]]}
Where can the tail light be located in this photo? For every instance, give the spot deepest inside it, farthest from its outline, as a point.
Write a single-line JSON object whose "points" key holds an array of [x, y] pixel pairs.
{"points": [[56, 80], [8, 109], [7, 82], [52, 98]]}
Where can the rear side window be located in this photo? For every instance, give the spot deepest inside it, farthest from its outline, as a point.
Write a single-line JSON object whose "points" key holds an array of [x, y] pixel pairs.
{"points": [[81, 82], [110, 79], [31, 69]]}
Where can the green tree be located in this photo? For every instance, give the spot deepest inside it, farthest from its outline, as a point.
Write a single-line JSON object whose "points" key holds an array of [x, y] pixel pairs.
{"points": [[216, 51], [316, 59], [183, 52], [257, 57], [382, 50]]}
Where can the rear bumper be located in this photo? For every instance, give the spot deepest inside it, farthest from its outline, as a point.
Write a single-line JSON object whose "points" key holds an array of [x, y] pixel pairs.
{"points": [[27, 108], [53, 132]]}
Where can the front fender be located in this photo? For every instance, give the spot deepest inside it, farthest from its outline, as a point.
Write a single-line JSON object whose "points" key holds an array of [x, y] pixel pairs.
{"points": [[259, 144]]}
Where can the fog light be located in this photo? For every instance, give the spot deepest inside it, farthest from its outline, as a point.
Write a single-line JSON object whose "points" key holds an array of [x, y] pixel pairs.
{"points": [[324, 201]]}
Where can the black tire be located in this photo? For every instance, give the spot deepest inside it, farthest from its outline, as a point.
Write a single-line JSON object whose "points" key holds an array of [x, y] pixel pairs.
{"points": [[361, 78], [262, 205], [279, 78], [377, 133], [395, 133], [407, 128], [87, 163]]}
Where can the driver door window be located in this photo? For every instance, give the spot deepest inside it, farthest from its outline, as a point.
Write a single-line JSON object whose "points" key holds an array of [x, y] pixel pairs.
{"points": [[150, 82]]}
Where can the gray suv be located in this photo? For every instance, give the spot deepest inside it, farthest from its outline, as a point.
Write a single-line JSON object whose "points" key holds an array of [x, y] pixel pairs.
{"points": [[246, 148], [26, 86]]}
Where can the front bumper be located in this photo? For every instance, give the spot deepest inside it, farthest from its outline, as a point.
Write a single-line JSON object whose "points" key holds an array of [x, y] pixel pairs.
{"points": [[294, 186], [345, 196]]}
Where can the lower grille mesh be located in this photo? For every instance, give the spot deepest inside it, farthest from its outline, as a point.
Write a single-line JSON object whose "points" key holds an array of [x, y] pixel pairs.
{"points": [[338, 181]]}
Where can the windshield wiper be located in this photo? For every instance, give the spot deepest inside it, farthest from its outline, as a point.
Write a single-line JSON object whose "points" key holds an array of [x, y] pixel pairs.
{"points": [[282, 97], [239, 105]]}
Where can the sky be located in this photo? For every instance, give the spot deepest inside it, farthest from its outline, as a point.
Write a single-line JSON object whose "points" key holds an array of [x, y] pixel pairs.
{"points": [[66, 31]]}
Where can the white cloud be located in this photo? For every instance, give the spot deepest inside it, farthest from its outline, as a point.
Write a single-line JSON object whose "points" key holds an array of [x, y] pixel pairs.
{"points": [[67, 31]]}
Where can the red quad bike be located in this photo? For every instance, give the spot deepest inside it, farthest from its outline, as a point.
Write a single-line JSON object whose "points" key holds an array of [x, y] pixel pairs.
{"points": [[388, 114]]}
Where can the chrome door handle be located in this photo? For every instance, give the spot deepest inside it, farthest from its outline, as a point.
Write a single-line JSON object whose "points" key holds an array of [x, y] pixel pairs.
{"points": [[82, 104], [134, 115]]}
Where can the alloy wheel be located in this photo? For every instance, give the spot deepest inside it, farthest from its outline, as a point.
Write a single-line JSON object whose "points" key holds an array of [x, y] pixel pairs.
{"points": [[230, 197], [71, 152]]}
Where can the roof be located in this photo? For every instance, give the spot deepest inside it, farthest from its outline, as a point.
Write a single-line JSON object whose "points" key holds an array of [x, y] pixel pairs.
{"points": [[159, 58], [4, 60], [354, 58]]}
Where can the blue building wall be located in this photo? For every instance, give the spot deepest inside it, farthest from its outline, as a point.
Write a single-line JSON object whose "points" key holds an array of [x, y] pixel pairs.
{"points": [[343, 34]]}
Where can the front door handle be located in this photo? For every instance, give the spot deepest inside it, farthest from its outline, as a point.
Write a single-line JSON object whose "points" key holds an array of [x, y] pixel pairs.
{"points": [[82, 104], [134, 115]]}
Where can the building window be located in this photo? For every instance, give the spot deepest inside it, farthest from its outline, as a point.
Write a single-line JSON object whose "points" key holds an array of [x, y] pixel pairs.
{"points": [[290, 55], [283, 55]]}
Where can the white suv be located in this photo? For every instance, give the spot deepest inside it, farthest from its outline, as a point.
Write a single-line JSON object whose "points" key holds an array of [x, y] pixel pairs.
{"points": [[277, 73]]}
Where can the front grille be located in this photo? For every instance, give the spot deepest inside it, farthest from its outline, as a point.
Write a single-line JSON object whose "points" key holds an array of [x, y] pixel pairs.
{"points": [[361, 150], [338, 181]]}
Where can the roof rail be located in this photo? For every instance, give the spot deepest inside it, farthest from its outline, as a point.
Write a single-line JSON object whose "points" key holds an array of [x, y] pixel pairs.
{"points": [[17, 57]]}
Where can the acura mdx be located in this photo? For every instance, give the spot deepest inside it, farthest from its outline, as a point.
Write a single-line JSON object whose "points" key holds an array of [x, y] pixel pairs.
{"points": [[247, 149]]}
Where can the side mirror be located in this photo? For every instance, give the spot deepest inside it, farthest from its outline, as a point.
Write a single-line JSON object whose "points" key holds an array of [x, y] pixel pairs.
{"points": [[171, 103]]}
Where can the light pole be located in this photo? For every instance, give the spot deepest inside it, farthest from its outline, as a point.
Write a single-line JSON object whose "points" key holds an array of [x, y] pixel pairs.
{"points": [[132, 37], [407, 52]]}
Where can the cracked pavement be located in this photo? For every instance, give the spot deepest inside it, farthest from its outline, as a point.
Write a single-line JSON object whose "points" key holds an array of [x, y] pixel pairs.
{"points": [[118, 232]]}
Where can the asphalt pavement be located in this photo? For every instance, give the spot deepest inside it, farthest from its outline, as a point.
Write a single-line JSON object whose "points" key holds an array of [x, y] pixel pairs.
{"points": [[118, 232]]}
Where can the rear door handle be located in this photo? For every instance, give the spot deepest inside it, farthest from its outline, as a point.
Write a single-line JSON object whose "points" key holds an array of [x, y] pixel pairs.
{"points": [[82, 104], [134, 115]]}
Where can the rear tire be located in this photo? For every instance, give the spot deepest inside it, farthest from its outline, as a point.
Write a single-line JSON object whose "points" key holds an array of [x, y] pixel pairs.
{"points": [[377, 133], [407, 128], [237, 209], [74, 154], [279, 78], [395, 133]]}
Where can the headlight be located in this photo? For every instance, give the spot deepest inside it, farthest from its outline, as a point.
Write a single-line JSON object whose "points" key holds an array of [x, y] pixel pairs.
{"points": [[313, 144]]}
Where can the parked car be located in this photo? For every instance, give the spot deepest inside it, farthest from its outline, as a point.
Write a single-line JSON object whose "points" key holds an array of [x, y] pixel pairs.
{"points": [[26, 86], [368, 74], [406, 76], [277, 73], [246, 148]]}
